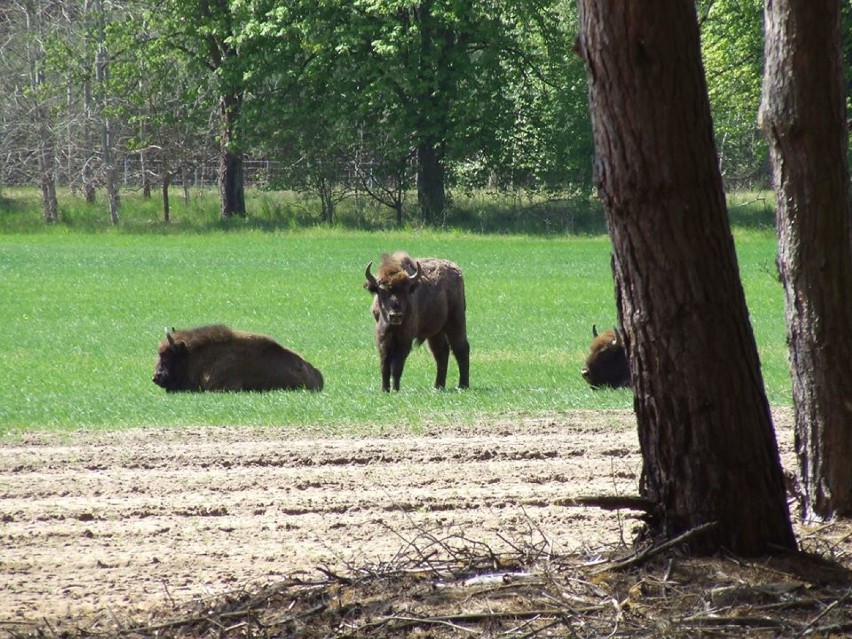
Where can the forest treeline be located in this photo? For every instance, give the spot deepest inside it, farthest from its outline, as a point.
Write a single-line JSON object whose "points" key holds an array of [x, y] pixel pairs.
{"points": [[400, 101]]}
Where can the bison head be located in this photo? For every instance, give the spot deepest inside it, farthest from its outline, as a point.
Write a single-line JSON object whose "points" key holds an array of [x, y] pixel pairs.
{"points": [[170, 371], [607, 363], [393, 288]]}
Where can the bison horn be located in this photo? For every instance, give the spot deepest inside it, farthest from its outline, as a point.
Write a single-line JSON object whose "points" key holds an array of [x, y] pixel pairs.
{"points": [[416, 275], [369, 276], [594, 331], [619, 339], [169, 337]]}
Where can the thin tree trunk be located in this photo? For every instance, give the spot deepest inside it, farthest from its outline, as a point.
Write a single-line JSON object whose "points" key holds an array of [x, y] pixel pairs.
{"points": [[48, 183], [146, 176], [112, 187], [167, 177], [431, 193], [325, 189], [804, 118], [35, 15], [110, 181], [46, 162], [231, 178], [102, 74], [184, 172], [88, 174], [705, 429]]}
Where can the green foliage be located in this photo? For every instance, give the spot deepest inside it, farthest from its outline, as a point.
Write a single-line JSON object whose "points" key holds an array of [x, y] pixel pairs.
{"points": [[732, 48], [83, 314], [358, 89], [341, 95]]}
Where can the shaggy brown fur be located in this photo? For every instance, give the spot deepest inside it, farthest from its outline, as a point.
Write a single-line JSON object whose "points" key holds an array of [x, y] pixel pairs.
{"points": [[419, 300], [607, 363], [216, 358]]}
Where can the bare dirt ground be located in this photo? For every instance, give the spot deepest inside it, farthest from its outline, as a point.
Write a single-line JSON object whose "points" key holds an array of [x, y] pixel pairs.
{"points": [[113, 526]]}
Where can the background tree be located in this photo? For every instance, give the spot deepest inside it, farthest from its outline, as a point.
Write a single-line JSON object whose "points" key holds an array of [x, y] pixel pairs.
{"points": [[298, 108], [207, 32], [732, 50], [342, 98], [705, 429], [105, 108], [71, 55], [804, 118], [445, 83], [29, 92], [164, 102]]}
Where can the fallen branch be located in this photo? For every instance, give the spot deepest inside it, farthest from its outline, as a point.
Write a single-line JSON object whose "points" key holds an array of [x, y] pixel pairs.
{"points": [[840, 602], [644, 555], [455, 620], [735, 620], [616, 502]]}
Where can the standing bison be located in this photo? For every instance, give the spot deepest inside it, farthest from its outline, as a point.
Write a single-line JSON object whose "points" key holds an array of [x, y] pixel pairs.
{"points": [[607, 364], [216, 358], [419, 300]]}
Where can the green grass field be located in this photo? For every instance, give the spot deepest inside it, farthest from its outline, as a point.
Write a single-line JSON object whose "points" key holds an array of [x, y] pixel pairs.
{"points": [[83, 312]]}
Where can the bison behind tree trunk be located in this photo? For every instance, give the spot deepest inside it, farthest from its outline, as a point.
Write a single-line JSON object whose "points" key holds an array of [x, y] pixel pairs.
{"points": [[420, 300], [216, 358], [606, 364]]}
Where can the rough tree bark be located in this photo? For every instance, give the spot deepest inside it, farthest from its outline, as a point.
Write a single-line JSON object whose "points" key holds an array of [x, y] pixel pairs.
{"points": [[803, 115], [705, 429]]}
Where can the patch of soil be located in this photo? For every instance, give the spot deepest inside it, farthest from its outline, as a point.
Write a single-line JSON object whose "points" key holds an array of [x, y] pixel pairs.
{"points": [[119, 525]]}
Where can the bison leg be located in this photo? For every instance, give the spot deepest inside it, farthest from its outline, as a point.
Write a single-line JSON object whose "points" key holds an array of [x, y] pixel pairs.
{"points": [[441, 352], [393, 362], [396, 365], [462, 355], [461, 351], [386, 375]]}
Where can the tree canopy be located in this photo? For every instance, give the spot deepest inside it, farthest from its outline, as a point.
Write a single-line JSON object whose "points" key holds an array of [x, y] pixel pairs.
{"points": [[380, 97]]}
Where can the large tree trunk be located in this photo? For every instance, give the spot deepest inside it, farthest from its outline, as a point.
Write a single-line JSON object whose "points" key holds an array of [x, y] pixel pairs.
{"points": [[231, 178], [804, 118], [705, 430]]}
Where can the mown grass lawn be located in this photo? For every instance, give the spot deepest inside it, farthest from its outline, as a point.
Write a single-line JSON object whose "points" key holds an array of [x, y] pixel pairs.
{"points": [[82, 314]]}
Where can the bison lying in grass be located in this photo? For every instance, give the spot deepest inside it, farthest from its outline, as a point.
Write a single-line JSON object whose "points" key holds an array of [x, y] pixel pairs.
{"points": [[419, 300], [216, 358], [607, 363]]}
